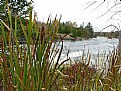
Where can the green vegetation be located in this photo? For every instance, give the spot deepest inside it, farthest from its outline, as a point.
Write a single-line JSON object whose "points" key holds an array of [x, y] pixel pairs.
{"points": [[27, 67], [112, 34], [18, 8], [74, 31]]}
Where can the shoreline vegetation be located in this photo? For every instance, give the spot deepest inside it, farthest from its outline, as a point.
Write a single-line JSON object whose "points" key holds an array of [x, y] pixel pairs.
{"points": [[69, 37], [31, 69]]}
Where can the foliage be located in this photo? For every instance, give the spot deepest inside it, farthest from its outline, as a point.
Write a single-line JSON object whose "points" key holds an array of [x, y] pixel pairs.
{"points": [[74, 31], [28, 66], [90, 29], [17, 7], [31, 66], [79, 76], [112, 34]]}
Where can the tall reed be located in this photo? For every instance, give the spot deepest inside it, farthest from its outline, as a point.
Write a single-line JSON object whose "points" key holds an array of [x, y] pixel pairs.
{"points": [[28, 66], [32, 66]]}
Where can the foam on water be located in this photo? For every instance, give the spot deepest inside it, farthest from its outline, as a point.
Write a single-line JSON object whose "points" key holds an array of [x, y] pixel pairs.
{"points": [[96, 46]]}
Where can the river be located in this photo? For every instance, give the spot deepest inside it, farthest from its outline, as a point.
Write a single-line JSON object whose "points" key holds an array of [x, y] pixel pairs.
{"points": [[94, 46]]}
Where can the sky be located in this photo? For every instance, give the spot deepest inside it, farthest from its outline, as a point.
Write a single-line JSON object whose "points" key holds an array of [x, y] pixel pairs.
{"points": [[79, 12]]}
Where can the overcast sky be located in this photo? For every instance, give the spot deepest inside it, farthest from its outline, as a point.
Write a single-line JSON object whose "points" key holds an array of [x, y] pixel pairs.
{"points": [[77, 11]]}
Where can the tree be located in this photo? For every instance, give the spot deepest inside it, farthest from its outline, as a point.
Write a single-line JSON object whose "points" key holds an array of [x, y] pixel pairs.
{"points": [[74, 31], [17, 7], [90, 29], [61, 28]]}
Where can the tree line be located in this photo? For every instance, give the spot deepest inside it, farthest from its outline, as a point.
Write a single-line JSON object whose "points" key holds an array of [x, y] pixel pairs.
{"points": [[21, 9], [112, 34], [74, 31]]}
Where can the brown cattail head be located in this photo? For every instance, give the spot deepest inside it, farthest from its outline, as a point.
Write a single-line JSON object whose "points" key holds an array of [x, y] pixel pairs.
{"points": [[42, 32]]}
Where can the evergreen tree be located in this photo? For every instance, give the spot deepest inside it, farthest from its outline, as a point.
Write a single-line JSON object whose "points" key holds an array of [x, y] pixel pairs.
{"points": [[17, 7], [90, 29]]}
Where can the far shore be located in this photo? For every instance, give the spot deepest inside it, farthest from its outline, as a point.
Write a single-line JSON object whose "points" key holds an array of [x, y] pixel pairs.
{"points": [[68, 37]]}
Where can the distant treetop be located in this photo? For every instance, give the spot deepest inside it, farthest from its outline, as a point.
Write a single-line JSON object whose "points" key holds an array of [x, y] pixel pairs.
{"points": [[17, 7]]}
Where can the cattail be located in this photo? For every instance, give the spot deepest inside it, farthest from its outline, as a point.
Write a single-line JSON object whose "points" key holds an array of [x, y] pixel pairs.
{"points": [[1, 60], [42, 32]]}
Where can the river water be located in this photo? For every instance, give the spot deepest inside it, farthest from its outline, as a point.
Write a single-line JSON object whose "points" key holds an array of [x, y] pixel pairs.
{"points": [[94, 46]]}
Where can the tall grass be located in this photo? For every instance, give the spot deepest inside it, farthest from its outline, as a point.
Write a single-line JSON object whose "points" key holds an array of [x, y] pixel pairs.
{"points": [[27, 66], [82, 77], [31, 66]]}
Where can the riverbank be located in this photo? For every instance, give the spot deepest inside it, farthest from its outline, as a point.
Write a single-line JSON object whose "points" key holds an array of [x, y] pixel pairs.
{"points": [[69, 37]]}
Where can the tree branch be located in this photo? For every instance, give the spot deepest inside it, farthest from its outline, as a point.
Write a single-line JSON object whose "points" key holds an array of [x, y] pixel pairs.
{"points": [[109, 10], [113, 15], [111, 26], [98, 6], [90, 4]]}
